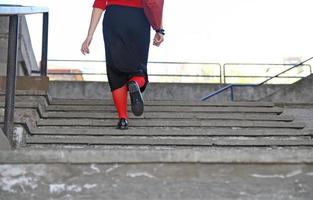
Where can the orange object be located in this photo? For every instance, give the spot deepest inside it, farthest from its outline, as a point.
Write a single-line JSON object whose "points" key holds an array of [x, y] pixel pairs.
{"points": [[140, 80], [154, 12], [120, 101]]}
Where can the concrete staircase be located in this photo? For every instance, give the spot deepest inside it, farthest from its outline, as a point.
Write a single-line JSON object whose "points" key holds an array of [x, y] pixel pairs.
{"points": [[164, 123], [70, 149]]}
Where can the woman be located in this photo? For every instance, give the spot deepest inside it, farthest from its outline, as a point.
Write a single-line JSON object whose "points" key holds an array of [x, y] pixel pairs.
{"points": [[126, 33]]}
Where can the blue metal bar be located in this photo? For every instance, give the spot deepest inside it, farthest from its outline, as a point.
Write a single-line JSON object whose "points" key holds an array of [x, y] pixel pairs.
{"points": [[217, 92], [11, 77], [232, 93], [44, 50]]}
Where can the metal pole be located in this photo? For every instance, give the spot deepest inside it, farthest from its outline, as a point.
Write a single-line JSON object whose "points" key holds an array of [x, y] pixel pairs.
{"points": [[11, 77], [44, 50], [221, 74], [232, 93], [224, 73]]}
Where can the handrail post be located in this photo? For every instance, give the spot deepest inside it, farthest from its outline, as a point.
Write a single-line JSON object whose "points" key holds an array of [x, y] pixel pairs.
{"points": [[224, 73], [44, 50], [232, 93], [221, 74], [11, 76]]}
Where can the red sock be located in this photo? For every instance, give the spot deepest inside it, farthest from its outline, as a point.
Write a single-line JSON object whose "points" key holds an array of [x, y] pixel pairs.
{"points": [[120, 100], [140, 80]]}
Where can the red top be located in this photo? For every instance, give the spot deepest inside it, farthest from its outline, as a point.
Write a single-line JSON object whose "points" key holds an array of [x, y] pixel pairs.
{"points": [[102, 4]]}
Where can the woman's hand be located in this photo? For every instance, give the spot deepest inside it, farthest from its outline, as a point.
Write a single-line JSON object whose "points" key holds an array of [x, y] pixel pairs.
{"points": [[85, 46], [95, 17], [158, 39]]}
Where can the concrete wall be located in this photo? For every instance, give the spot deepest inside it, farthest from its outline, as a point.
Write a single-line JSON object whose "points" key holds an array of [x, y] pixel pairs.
{"points": [[301, 91], [158, 91], [27, 60], [4, 24]]}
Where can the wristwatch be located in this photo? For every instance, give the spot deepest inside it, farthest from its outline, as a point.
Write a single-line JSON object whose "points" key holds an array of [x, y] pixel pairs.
{"points": [[161, 31]]}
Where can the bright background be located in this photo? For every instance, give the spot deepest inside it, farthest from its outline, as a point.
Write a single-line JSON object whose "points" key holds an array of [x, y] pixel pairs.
{"points": [[220, 31], [198, 30]]}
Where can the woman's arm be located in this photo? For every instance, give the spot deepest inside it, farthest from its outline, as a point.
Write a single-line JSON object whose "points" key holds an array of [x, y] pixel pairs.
{"points": [[95, 18], [158, 37]]}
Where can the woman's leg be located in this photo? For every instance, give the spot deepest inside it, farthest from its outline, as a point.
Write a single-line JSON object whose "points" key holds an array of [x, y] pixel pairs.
{"points": [[134, 85], [120, 100], [140, 80]]}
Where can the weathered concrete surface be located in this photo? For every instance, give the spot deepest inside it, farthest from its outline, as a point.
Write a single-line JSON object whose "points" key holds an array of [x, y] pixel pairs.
{"points": [[4, 142], [4, 24], [158, 91], [167, 131], [171, 108], [301, 91], [28, 83], [106, 102], [298, 92], [148, 154], [304, 115], [79, 90], [174, 141], [27, 93], [163, 115], [171, 123], [27, 61], [156, 181]]}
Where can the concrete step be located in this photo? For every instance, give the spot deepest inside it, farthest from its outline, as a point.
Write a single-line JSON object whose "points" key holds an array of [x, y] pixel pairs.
{"points": [[150, 154], [164, 115], [182, 109], [166, 131], [170, 123], [97, 102], [173, 109], [34, 104], [27, 93], [154, 173], [172, 141], [24, 98]]}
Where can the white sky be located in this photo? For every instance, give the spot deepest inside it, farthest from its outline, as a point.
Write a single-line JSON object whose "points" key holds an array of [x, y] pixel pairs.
{"points": [[198, 30]]}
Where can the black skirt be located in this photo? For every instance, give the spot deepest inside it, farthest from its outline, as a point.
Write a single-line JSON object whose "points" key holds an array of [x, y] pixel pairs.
{"points": [[126, 33]]}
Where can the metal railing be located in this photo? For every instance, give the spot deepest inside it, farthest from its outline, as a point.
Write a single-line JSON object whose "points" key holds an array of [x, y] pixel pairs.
{"points": [[250, 72], [182, 72], [156, 69], [14, 13], [231, 86]]}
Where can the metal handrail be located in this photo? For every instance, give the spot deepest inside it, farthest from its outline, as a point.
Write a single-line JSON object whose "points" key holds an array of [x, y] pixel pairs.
{"points": [[159, 75], [258, 64], [14, 12], [218, 65], [153, 62], [9, 10], [231, 86]]}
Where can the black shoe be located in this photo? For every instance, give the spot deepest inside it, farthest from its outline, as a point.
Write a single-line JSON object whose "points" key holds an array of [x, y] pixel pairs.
{"points": [[135, 98], [122, 124]]}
